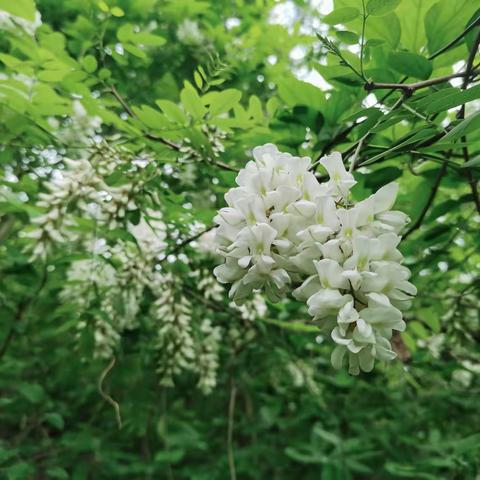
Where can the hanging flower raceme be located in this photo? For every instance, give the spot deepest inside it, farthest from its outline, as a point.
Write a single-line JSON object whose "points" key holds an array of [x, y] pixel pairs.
{"points": [[283, 232]]}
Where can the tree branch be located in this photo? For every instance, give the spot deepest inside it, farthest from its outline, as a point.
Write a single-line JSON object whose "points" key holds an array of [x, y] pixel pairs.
{"points": [[154, 138], [131, 113], [345, 132], [187, 241], [409, 88], [231, 415], [362, 40], [416, 225], [22, 310], [461, 114], [449, 45]]}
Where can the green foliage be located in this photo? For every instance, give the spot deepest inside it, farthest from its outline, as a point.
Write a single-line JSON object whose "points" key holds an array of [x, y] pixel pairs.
{"points": [[122, 125]]}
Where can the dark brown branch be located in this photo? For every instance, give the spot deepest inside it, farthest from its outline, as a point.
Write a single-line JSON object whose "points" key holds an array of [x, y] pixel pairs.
{"points": [[122, 102], [439, 52], [433, 192], [409, 88], [166, 142], [131, 113], [154, 138], [225, 166], [461, 114], [188, 240], [344, 133]]}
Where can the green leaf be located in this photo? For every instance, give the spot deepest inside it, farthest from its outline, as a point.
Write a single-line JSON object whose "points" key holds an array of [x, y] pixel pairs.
{"points": [[381, 7], [172, 111], [431, 318], [291, 325], [341, 15], [467, 125], [452, 99], [89, 62], [151, 117], [382, 177], [329, 437], [295, 92], [32, 392], [20, 471], [198, 79], [413, 32], [125, 32], [57, 472], [20, 8], [418, 136], [472, 163], [347, 37], [385, 28], [117, 12], [103, 6], [418, 329], [441, 19], [138, 52], [55, 419], [192, 102], [410, 64], [171, 456], [221, 102], [255, 109], [148, 39], [409, 341]]}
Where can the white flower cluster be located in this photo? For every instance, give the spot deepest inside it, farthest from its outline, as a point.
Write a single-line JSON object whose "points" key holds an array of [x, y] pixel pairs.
{"points": [[79, 128], [78, 183], [182, 343], [284, 231], [215, 138], [207, 356], [119, 290], [180, 346], [189, 33], [78, 191]]}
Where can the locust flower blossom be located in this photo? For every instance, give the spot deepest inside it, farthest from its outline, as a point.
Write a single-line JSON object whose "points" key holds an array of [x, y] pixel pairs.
{"points": [[284, 232]]}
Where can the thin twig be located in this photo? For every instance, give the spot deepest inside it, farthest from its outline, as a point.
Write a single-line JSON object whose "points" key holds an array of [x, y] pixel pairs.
{"points": [[187, 241], [345, 132], [409, 88], [6, 224], [132, 114], [122, 102], [225, 166], [353, 147], [362, 40], [433, 192], [106, 396], [154, 138], [461, 114], [456, 39], [22, 310], [354, 158], [231, 418]]}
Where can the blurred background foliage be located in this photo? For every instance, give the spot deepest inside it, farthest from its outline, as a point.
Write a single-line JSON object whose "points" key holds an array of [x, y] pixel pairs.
{"points": [[122, 124]]}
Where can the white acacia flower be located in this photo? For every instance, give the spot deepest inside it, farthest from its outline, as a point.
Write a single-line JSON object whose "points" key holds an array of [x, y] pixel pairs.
{"points": [[282, 228], [340, 181]]}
